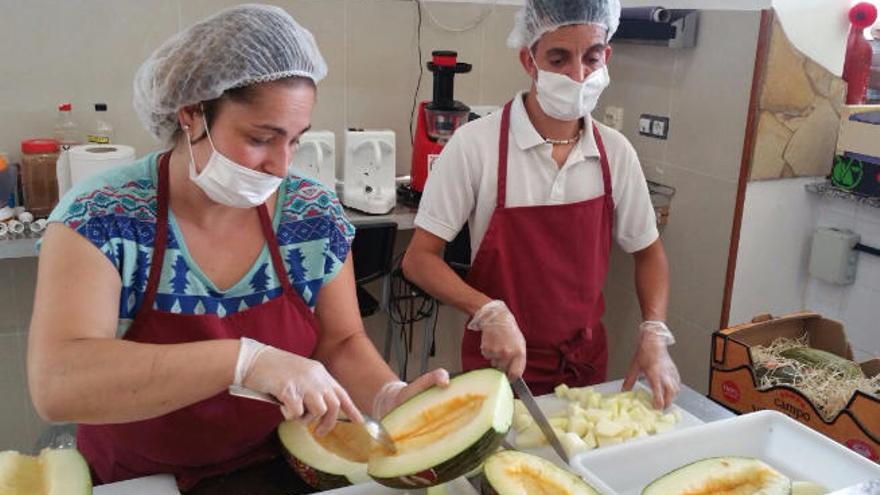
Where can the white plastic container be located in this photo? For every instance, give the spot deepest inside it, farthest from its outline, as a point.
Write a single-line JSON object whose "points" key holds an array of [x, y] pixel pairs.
{"points": [[316, 157], [798, 452], [550, 404], [369, 171]]}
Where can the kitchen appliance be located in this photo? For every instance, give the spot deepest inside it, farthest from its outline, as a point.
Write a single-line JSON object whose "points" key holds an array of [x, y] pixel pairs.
{"points": [[368, 171], [437, 119], [315, 158]]}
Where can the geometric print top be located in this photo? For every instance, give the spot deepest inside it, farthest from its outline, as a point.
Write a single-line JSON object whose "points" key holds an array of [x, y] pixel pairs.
{"points": [[116, 211]]}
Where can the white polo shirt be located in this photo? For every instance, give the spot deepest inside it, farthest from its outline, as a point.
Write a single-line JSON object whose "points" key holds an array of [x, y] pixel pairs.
{"points": [[462, 186]]}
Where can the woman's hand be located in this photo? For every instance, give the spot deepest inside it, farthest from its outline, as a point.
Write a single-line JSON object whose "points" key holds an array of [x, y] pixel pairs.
{"points": [[306, 388], [393, 394]]}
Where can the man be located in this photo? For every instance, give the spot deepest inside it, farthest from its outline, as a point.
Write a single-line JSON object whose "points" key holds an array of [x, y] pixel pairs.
{"points": [[544, 188]]}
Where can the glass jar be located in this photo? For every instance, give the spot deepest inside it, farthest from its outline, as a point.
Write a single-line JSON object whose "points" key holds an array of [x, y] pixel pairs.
{"points": [[38, 175]]}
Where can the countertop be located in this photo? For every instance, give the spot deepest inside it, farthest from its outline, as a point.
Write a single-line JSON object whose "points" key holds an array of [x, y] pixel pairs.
{"points": [[688, 399]]}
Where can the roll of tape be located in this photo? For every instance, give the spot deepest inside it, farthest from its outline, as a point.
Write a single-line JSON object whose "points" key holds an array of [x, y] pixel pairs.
{"points": [[25, 217], [15, 227]]}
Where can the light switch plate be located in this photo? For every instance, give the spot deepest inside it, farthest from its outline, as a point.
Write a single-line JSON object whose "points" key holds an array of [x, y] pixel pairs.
{"points": [[654, 126], [613, 117]]}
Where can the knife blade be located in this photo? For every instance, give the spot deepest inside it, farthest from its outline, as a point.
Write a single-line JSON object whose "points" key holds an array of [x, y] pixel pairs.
{"points": [[870, 487], [525, 395]]}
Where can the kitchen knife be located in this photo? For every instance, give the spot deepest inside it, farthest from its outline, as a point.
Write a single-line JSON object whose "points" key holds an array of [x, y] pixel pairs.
{"points": [[871, 487], [525, 395]]}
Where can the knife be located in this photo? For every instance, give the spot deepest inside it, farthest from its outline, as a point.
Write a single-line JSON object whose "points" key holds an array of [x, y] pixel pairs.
{"points": [[871, 487], [525, 395]]}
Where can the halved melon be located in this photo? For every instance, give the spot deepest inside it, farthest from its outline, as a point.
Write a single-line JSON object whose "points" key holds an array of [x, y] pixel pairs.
{"points": [[334, 460], [722, 476], [516, 473], [442, 434], [53, 472]]}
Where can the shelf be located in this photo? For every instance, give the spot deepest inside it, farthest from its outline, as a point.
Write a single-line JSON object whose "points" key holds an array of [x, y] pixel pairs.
{"points": [[18, 248], [827, 190]]}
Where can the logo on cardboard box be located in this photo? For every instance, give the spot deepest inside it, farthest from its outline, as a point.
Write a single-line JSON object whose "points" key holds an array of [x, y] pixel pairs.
{"points": [[793, 405], [730, 391], [862, 448]]}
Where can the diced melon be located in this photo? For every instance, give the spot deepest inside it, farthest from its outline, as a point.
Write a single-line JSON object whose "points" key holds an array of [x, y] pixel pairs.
{"points": [[807, 488]]}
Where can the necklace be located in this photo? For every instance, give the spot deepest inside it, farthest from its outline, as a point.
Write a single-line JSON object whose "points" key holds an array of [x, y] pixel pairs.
{"points": [[563, 141]]}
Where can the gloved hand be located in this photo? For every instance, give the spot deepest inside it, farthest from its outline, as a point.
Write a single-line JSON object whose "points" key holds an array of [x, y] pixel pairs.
{"points": [[306, 388], [652, 359], [502, 342], [392, 394]]}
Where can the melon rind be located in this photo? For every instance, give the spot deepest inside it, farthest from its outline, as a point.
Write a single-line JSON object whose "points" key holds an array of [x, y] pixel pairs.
{"points": [[693, 477], [316, 465], [496, 478], [458, 453]]}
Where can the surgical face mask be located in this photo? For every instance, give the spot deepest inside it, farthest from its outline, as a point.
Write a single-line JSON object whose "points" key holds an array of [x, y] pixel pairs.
{"points": [[229, 183], [563, 98]]}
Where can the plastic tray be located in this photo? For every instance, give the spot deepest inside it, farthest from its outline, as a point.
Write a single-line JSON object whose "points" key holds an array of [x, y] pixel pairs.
{"points": [[551, 404], [797, 451]]}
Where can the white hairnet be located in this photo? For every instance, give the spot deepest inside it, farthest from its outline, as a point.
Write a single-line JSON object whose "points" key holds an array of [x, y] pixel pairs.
{"points": [[541, 16], [236, 47]]}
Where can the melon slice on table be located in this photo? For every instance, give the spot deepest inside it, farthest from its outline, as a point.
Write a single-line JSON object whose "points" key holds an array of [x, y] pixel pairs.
{"points": [[516, 473], [722, 476], [442, 434], [334, 460], [53, 472]]}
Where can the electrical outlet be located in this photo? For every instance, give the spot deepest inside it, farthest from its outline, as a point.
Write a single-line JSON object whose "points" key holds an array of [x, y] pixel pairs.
{"points": [[645, 125], [654, 126], [613, 117]]}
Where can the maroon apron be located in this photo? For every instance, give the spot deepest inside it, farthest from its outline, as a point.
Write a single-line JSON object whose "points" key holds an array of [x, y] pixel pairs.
{"points": [[219, 434], [548, 264]]}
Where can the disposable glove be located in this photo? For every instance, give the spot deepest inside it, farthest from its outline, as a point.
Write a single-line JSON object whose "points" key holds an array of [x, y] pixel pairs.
{"points": [[652, 359], [502, 342], [305, 387]]}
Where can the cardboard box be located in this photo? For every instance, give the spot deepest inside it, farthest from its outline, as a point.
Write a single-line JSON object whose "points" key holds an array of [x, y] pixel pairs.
{"points": [[732, 381], [855, 136]]}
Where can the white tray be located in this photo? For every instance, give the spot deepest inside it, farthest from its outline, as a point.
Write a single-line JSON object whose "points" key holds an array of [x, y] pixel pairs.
{"points": [[797, 451], [458, 486], [550, 404]]}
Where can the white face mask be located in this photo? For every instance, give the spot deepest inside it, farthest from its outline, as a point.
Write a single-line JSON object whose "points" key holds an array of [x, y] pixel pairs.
{"points": [[229, 183], [563, 98]]}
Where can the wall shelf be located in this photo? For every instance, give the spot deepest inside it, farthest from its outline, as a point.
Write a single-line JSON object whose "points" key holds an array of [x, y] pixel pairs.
{"points": [[18, 248], [827, 190]]}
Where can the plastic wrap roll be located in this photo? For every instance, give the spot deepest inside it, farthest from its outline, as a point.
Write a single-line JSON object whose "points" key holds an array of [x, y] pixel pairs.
{"points": [[652, 14]]}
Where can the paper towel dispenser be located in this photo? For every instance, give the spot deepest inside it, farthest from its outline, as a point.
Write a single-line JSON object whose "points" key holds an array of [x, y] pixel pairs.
{"points": [[674, 28]]}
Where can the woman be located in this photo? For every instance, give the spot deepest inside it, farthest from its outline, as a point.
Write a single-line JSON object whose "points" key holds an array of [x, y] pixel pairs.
{"points": [[168, 280]]}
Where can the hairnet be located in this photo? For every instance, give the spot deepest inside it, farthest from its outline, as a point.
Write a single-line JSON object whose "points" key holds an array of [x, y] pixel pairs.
{"points": [[541, 16], [236, 47]]}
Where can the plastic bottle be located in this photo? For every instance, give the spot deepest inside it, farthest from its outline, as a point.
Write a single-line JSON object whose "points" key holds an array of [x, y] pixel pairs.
{"points": [[103, 131], [857, 63], [66, 130]]}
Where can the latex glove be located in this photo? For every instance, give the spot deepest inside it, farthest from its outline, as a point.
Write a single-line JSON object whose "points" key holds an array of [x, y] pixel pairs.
{"points": [[652, 359], [502, 342], [306, 388], [393, 394]]}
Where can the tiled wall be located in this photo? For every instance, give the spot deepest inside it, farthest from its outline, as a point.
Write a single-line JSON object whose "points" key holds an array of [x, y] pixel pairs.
{"points": [[88, 51], [772, 271], [705, 91], [370, 46]]}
